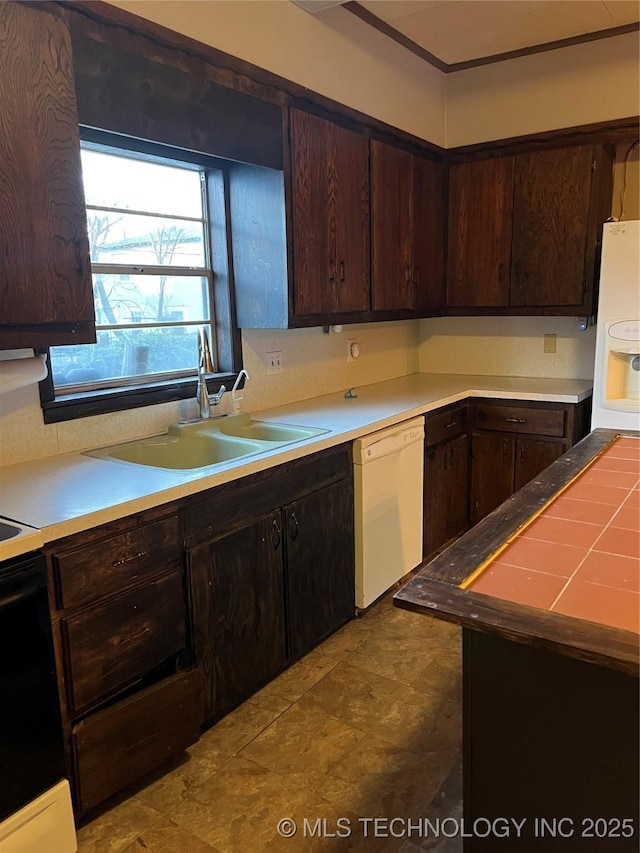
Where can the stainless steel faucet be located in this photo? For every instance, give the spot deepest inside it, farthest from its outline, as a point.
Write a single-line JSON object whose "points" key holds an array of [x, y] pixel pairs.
{"points": [[205, 366]]}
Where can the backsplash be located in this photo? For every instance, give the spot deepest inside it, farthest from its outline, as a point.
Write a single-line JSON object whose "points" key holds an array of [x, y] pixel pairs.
{"points": [[314, 363], [506, 346]]}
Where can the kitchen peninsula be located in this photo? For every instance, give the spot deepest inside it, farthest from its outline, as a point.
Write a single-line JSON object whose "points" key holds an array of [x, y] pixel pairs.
{"points": [[550, 683]]}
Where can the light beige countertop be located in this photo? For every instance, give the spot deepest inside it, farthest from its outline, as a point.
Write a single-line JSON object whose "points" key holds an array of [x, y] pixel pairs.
{"points": [[71, 492]]}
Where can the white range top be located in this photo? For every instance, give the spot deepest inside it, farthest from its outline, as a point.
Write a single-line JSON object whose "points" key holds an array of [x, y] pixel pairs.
{"points": [[65, 494]]}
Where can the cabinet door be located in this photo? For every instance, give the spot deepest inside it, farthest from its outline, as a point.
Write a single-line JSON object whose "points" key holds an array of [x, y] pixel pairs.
{"points": [[446, 493], [313, 232], [551, 202], [392, 275], [44, 251], [457, 487], [428, 219], [320, 565], [350, 201], [435, 504], [238, 613], [330, 170], [532, 456], [492, 465], [479, 249]]}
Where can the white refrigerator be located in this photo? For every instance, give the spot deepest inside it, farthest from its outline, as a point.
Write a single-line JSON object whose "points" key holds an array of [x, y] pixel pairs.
{"points": [[616, 385]]}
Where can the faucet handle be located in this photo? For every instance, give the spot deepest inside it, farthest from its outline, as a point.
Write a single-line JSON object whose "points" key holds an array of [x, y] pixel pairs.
{"points": [[214, 399]]}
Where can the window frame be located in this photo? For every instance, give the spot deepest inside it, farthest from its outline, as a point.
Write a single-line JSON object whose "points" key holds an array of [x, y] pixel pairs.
{"points": [[227, 336]]}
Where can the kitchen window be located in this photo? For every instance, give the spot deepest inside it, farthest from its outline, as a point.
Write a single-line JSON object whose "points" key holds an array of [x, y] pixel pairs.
{"points": [[152, 222]]}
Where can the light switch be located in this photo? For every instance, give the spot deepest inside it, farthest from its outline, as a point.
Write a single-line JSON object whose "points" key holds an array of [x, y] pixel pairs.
{"points": [[550, 343]]}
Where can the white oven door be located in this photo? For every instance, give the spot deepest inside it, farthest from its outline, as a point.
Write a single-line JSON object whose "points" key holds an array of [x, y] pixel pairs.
{"points": [[45, 823]]}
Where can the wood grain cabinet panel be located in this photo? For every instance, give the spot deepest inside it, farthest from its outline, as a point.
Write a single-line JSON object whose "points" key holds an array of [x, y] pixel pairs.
{"points": [[274, 577], [492, 473], [120, 744], [106, 568], [320, 566], [408, 207], [446, 492], [111, 645], [330, 217], [479, 234], [512, 443], [46, 295], [551, 206], [238, 593]]}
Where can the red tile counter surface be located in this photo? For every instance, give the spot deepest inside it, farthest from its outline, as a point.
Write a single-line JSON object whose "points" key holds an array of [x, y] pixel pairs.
{"points": [[562, 560], [581, 555]]}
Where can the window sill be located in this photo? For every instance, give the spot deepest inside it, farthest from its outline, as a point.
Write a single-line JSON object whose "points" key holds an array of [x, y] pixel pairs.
{"points": [[73, 406]]}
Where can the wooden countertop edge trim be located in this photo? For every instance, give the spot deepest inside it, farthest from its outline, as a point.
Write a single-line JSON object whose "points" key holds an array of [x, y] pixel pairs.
{"points": [[599, 644]]}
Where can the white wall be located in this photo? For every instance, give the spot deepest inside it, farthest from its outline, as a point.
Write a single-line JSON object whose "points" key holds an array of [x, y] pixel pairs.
{"points": [[585, 83], [505, 346]]}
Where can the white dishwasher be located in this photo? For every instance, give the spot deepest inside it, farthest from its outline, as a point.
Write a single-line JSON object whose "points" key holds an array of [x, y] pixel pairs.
{"points": [[388, 487]]}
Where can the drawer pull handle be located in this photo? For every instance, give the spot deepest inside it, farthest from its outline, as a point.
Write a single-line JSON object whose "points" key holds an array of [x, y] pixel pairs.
{"points": [[296, 526], [275, 535], [130, 559], [451, 425], [516, 420]]}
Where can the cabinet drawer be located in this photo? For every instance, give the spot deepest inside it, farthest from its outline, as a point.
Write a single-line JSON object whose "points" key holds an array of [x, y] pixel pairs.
{"points": [[520, 419], [232, 505], [105, 567], [442, 425], [110, 646], [122, 743]]}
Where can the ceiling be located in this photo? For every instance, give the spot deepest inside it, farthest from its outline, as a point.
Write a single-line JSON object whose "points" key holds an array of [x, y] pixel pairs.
{"points": [[454, 34]]}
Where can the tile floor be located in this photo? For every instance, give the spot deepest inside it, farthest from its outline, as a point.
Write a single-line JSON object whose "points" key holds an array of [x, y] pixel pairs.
{"points": [[367, 725], [580, 556]]}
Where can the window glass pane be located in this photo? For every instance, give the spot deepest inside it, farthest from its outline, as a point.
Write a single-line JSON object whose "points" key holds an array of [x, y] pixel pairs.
{"points": [[122, 298], [126, 352], [125, 238], [111, 180]]}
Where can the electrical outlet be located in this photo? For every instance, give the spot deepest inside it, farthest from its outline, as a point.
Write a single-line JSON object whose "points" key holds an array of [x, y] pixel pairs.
{"points": [[353, 349], [550, 343], [274, 362]]}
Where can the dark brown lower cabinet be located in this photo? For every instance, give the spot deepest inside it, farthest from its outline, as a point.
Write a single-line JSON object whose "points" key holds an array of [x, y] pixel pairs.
{"points": [[446, 490], [501, 465], [120, 744], [320, 576], [129, 693], [271, 563], [533, 455], [492, 469], [238, 590]]}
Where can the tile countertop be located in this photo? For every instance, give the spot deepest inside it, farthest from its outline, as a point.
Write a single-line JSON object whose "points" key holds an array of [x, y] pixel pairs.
{"points": [[67, 493], [602, 628]]}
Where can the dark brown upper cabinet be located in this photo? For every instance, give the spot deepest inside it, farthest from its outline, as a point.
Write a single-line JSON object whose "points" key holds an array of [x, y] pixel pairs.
{"points": [[479, 251], [408, 204], [524, 231], [330, 217], [46, 294], [557, 220]]}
